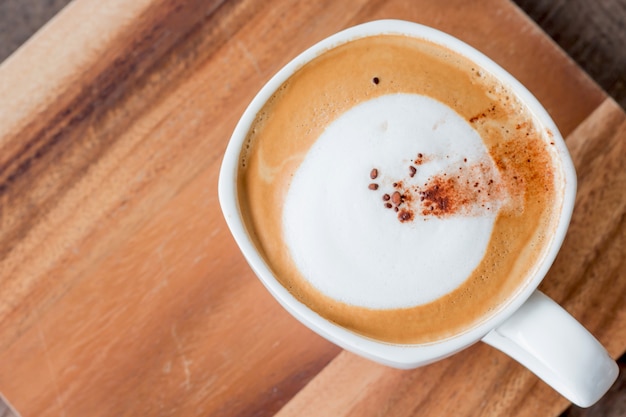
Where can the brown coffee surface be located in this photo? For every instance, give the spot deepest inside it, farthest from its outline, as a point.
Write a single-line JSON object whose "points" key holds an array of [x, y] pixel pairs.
{"points": [[337, 80]]}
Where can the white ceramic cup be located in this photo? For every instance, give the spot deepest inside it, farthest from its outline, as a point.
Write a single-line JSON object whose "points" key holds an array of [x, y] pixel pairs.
{"points": [[531, 328]]}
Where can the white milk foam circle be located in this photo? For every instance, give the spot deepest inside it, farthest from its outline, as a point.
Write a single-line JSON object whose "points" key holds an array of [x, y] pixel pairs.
{"points": [[343, 239]]}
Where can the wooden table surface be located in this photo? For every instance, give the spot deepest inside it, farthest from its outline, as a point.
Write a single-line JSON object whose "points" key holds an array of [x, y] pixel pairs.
{"points": [[122, 292]]}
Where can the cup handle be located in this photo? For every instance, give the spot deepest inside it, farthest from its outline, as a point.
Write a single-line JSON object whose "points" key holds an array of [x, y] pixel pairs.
{"points": [[547, 340]]}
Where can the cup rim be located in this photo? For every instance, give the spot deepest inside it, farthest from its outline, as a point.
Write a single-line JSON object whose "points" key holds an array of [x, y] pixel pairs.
{"points": [[400, 356]]}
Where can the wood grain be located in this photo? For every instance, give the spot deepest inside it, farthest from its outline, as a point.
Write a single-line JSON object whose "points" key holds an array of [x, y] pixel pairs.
{"points": [[592, 32], [122, 291]]}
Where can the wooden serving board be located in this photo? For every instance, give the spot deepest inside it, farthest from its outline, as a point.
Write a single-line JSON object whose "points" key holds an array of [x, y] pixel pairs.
{"points": [[121, 289]]}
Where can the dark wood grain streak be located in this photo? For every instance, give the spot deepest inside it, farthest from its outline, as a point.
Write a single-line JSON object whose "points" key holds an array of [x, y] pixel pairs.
{"points": [[71, 140], [67, 148]]}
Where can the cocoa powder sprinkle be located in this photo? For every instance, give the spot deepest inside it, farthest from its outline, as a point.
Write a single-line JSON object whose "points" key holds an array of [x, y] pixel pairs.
{"points": [[405, 216]]}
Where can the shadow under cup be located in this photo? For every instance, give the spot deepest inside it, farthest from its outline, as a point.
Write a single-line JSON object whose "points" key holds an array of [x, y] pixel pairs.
{"points": [[533, 187]]}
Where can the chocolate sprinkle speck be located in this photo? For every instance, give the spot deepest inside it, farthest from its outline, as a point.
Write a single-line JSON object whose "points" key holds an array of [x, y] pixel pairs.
{"points": [[386, 197], [404, 216], [412, 170], [388, 205], [373, 186], [376, 80], [396, 198], [374, 174]]}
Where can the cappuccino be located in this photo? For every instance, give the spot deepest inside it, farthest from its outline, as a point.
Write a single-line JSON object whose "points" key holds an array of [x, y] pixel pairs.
{"points": [[398, 189]]}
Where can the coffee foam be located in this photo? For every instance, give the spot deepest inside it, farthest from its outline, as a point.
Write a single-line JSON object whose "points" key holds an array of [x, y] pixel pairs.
{"points": [[340, 79], [342, 228]]}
